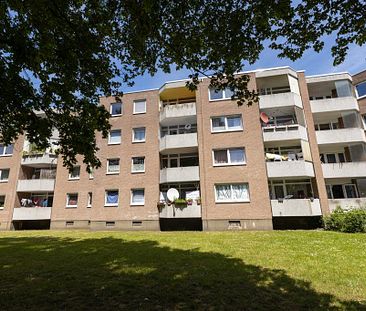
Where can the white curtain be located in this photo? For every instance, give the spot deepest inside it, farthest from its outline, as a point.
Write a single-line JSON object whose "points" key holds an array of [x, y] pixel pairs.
{"points": [[240, 192], [223, 192], [236, 155], [138, 196], [139, 134]]}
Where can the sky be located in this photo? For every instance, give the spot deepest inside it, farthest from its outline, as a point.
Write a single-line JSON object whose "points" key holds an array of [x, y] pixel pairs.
{"points": [[313, 63]]}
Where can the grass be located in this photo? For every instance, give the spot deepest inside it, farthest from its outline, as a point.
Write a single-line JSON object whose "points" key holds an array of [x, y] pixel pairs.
{"points": [[287, 270]]}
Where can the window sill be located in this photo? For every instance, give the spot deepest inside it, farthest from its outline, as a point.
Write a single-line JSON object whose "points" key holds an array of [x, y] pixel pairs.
{"points": [[71, 206], [230, 164], [137, 204], [138, 141], [111, 205], [221, 99], [116, 115], [225, 202], [71, 179], [139, 112], [361, 97], [226, 131], [4, 181], [6, 155], [112, 173], [111, 144], [88, 206], [137, 172], [2, 208]]}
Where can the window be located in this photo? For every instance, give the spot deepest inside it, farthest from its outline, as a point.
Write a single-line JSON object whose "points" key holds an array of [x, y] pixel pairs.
{"points": [[227, 93], [226, 123], [332, 157], [290, 189], [75, 173], [138, 135], [179, 160], [6, 150], [137, 196], [138, 164], [232, 193], [178, 129], [2, 202], [114, 137], [4, 175], [116, 109], [112, 166], [91, 174], [347, 191], [139, 106], [361, 89], [90, 199], [233, 156], [72, 200], [111, 198]]}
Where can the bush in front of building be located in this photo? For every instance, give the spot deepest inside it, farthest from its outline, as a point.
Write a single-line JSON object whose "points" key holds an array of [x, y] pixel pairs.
{"points": [[350, 221]]}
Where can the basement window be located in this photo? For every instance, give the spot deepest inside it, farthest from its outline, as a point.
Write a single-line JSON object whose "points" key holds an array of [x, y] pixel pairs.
{"points": [[136, 223], [110, 223], [234, 224], [69, 223]]}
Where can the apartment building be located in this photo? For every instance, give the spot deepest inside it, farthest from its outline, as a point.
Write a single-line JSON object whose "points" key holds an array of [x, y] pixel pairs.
{"points": [[282, 163]]}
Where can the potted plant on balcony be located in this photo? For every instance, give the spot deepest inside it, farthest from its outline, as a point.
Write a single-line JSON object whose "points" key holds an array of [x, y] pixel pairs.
{"points": [[189, 201], [160, 205], [180, 203], [198, 200]]}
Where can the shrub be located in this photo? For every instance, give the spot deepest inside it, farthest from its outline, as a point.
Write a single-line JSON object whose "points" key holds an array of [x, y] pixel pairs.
{"points": [[346, 221]]}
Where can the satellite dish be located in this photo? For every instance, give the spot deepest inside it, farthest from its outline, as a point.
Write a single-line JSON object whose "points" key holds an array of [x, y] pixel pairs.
{"points": [[188, 126], [264, 117], [172, 194]]}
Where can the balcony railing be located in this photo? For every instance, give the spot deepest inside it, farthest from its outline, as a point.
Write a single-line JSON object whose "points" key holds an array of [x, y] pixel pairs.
{"points": [[280, 100], [347, 204], [38, 159], [172, 142], [344, 170], [32, 213], [171, 111], [36, 185], [340, 136], [189, 211], [296, 207], [179, 174], [334, 104], [284, 132], [290, 169]]}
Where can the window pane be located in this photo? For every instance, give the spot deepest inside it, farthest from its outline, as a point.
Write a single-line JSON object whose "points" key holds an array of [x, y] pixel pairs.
{"points": [[4, 174], [138, 164], [139, 134], [2, 149], [2, 200], [331, 158], [220, 156], [75, 172], [344, 88], [138, 196], [234, 122], [115, 136], [139, 106], [236, 155], [337, 192], [111, 197], [216, 94], [361, 89], [341, 157], [113, 165], [279, 193], [218, 124], [240, 192], [72, 199], [228, 93], [116, 109], [325, 126], [189, 161], [223, 192], [351, 191], [9, 149]]}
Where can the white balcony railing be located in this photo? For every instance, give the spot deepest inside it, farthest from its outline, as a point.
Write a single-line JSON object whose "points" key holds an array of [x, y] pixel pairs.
{"points": [[178, 111], [172, 142], [344, 170], [290, 169], [347, 204], [32, 213], [280, 100], [334, 104], [39, 159], [179, 174], [296, 207], [340, 136], [190, 211], [284, 132], [36, 185]]}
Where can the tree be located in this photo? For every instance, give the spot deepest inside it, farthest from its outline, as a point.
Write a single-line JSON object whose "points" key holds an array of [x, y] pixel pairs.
{"points": [[61, 56]]}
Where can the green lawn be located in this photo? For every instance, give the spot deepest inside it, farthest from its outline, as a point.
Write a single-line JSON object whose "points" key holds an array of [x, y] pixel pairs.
{"points": [[293, 270]]}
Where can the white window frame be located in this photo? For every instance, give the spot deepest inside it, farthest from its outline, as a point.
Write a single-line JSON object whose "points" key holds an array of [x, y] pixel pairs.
{"points": [[134, 106], [132, 170], [343, 189], [90, 199], [133, 135], [112, 172], [110, 109], [105, 198], [224, 97], [231, 189], [229, 163], [75, 178], [139, 203], [1, 173], [336, 154], [68, 199], [3, 207], [227, 129], [359, 97], [4, 154], [120, 137]]}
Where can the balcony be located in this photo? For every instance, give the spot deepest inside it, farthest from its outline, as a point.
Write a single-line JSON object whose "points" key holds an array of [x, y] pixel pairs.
{"points": [[179, 174], [36, 185], [296, 207], [347, 204], [38, 160], [190, 211], [280, 100], [176, 111], [285, 132], [334, 104], [344, 170], [32, 213], [340, 136], [290, 169], [178, 142]]}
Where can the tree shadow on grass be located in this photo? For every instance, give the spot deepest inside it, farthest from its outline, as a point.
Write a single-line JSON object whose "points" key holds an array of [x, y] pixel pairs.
{"points": [[68, 274]]}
